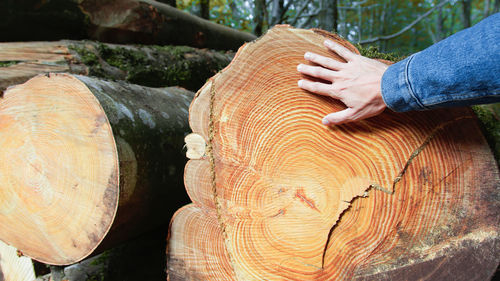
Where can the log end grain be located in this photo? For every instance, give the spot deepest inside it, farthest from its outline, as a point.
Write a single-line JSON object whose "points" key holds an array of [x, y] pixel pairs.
{"points": [[289, 198], [59, 169]]}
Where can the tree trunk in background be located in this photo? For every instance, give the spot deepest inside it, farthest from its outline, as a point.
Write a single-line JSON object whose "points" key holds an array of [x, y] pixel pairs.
{"points": [[384, 18], [486, 9], [278, 196], [496, 7], [466, 13], [328, 15], [277, 12], [258, 16], [335, 11], [114, 21], [92, 163], [205, 9], [172, 3], [439, 35], [152, 66]]}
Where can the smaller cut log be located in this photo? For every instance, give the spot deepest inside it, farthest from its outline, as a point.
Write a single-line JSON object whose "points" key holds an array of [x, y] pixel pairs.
{"points": [[114, 21], [154, 66], [13, 265], [90, 163]]}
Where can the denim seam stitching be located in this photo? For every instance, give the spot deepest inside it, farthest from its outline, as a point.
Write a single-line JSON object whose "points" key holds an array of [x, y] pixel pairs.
{"points": [[408, 85], [460, 99]]}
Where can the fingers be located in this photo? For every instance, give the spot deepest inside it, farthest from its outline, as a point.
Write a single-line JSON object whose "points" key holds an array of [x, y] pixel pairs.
{"points": [[323, 61], [317, 88], [340, 50], [317, 71], [340, 117]]}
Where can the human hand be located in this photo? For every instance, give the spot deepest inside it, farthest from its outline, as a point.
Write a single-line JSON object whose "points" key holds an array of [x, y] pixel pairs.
{"points": [[356, 83]]}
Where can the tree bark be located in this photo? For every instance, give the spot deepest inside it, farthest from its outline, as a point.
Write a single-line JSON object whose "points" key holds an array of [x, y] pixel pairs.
{"points": [[152, 66], [278, 196], [486, 8], [205, 9], [169, 2], [466, 13], [277, 12], [440, 34], [258, 17], [114, 21], [328, 15], [138, 259], [92, 163]]}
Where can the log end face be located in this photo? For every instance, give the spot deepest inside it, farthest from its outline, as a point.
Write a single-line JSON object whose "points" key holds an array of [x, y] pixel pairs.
{"points": [[61, 178]]}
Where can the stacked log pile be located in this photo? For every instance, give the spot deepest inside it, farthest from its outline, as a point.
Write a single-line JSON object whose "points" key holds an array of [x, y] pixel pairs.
{"points": [[95, 154], [278, 196], [154, 66], [92, 137], [113, 21]]}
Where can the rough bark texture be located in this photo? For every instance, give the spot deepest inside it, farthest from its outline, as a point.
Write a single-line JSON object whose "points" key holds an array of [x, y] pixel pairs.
{"points": [[279, 196], [88, 157], [114, 21], [138, 259], [154, 66]]}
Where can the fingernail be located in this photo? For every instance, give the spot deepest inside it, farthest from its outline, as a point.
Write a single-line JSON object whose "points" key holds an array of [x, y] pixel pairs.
{"points": [[299, 67], [329, 43], [307, 55], [325, 121], [300, 83]]}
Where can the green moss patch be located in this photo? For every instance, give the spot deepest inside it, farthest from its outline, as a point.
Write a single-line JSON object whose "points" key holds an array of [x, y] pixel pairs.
{"points": [[154, 66], [489, 117], [373, 53], [8, 63]]}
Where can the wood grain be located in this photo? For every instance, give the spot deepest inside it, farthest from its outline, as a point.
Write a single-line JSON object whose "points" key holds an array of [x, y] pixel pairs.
{"points": [[87, 163], [295, 200], [14, 266]]}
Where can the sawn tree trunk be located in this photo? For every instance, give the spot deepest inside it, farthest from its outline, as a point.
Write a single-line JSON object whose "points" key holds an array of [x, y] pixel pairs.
{"points": [[88, 163], [154, 66], [113, 21], [279, 196]]}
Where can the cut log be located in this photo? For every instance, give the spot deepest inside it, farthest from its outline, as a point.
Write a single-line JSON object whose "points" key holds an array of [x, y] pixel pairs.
{"points": [[152, 66], [14, 266], [84, 157], [278, 196], [113, 21]]}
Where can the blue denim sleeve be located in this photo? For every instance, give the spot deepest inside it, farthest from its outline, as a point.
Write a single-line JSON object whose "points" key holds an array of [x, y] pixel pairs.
{"points": [[463, 69]]}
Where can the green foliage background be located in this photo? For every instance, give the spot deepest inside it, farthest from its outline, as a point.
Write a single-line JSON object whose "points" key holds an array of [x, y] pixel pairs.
{"points": [[358, 20]]}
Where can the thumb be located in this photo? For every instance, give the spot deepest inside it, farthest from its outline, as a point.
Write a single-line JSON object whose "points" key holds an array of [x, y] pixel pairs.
{"points": [[339, 117]]}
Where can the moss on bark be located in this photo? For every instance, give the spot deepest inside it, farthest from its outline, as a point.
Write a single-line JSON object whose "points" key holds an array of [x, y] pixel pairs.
{"points": [[373, 53], [489, 117], [8, 63], [154, 66]]}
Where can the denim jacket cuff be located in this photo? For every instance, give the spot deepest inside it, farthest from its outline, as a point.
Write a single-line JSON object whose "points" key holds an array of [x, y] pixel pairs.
{"points": [[397, 92]]}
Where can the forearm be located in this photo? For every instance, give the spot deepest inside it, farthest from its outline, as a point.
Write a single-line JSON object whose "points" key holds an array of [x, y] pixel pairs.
{"points": [[463, 69]]}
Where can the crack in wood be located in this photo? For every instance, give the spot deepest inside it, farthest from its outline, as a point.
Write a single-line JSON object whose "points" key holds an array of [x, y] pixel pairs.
{"points": [[417, 151], [397, 179]]}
